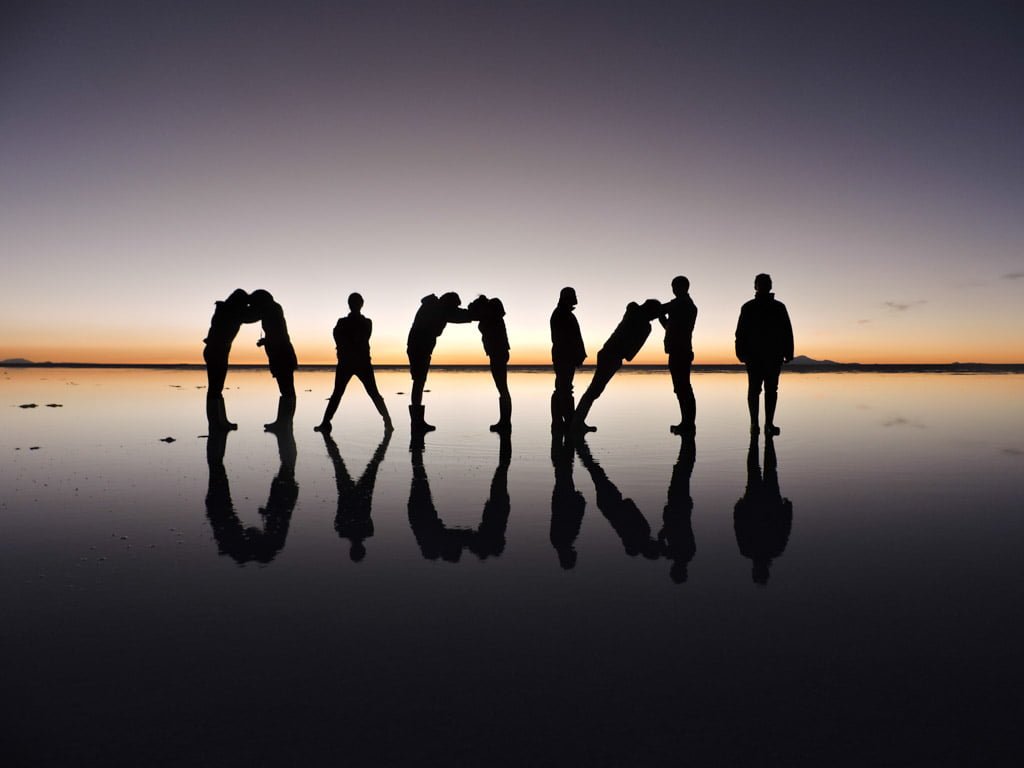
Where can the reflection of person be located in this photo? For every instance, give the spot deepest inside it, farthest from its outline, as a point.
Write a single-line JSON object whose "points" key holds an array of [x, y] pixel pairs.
{"points": [[245, 544], [624, 343], [430, 321], [567, 504], [490, 317], [352, 342], [625, 517], [228, 316], [676, 536], [434, 538], [280, 355], [678, 321], [762, 518], [567, 354], [764, 341], [353, 520]]}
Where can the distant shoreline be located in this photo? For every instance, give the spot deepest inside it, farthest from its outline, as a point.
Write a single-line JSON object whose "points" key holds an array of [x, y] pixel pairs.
{"points": [[734, 368]]}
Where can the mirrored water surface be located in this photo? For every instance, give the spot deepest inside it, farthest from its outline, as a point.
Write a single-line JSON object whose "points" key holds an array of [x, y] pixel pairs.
{"points": [[848, 593]]}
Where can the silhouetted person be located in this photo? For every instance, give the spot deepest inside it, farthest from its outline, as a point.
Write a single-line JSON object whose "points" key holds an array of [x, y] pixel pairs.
{"points": [[353, 520], [625, 517], [352, 342], [567, 503], [764, 341], [435, 539], [567, 354], [244, 544], [762, 518], [678, 321], [430, 321], [228, 316], [490, 317], [676, 536], [626, 340], [280, 356]]}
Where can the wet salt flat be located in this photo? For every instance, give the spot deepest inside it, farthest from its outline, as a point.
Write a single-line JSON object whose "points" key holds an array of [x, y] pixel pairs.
{"points": [[850, 595]]}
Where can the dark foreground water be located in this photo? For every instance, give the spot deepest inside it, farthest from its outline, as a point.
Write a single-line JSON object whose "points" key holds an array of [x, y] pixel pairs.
{"points": [[850, 595]]}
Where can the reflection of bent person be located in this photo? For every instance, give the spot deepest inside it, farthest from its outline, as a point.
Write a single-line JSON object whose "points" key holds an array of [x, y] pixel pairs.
{"points": [[353, 520], [352, 342], [280, 355], [567, 503], [228, 316], [490, 317], [244, 544], [762, 518], [430, 321], [676, 536], [625, 517], [626, 340], [435, 539]]}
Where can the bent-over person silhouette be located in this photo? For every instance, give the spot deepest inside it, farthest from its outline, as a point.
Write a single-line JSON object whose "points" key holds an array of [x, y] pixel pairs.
{"points": [[280, 355], [352, 343], [489, 313], [430, 321], [228, 316], [764, 341], [678, 321]]}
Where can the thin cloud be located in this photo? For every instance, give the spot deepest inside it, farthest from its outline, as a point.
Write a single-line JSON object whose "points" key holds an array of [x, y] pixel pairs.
{"points": [[901, 306], [863, 322], [1014, 276]]}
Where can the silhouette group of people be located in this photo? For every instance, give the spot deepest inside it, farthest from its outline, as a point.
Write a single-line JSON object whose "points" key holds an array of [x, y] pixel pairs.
{"points": [[764, 342]]}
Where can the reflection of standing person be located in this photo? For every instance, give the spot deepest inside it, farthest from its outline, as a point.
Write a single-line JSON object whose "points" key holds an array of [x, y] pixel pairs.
{"points": [[353, 520], [280, 355], [567, 354], [624, 343], [762, 518], [228, 316], [678, 321], [676, 536], [352, 342], [490, 317], [764, 341], [430, 321], [567, 504]]}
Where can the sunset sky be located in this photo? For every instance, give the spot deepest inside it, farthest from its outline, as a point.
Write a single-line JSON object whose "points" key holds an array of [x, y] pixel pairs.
{"points": [[154, 156]]}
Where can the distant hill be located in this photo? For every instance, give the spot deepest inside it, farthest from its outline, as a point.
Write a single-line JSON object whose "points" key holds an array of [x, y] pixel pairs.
{"points": [[805, 360], [16, 361]]}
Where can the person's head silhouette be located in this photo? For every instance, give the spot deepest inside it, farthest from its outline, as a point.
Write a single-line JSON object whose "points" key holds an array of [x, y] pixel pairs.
{"points": [[451, 299], [355, 302], [763, 283], [567, 297], [680, 286], [260, 298]]}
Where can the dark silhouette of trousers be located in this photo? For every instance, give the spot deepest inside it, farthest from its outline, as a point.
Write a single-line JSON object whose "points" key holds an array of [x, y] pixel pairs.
{"points": [[607, 365], [342, 376], [679, 365], [764, 375], [562, 404]]}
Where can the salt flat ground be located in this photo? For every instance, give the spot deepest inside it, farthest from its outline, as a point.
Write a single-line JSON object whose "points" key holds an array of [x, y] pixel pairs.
{"points": [[853, 599]]}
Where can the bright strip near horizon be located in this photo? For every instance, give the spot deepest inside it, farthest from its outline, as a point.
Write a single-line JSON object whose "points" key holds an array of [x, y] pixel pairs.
{"points": [[870, 159]]}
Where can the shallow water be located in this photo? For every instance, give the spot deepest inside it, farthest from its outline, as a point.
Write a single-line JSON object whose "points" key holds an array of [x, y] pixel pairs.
{"points": [[848, 596]]}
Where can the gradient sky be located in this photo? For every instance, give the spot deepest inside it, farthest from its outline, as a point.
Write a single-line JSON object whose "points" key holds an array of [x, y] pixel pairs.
{"points": [[154, 156]]}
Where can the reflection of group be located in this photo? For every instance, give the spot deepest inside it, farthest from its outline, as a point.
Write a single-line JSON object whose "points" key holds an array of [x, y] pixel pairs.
{"points": [[762, 518], [764, 341]]}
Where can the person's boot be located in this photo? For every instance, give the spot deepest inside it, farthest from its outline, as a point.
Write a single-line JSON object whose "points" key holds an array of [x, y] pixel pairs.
{"points": [[504, 415], [419, 424], [285, 412], [224, 416], [685, 425], [579, 418]]}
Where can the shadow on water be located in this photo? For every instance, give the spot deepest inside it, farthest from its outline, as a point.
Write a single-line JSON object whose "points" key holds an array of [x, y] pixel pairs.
{"points": [[437, 540], [762, 518], [567, 503], [625, 517], [245, 544], [353, 520], [676, 536]]}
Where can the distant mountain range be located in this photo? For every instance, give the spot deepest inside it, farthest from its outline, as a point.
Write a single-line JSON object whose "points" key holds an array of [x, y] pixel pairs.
{"points": [[805, 360]]}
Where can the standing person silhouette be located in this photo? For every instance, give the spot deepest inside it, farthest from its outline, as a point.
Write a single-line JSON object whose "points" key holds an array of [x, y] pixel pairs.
{"points": [[567, 354], [352, 342], [764, 341], [280, 356], [228, 316], [678, 321], [626, 340], [762, 519], [490, 317], [430, 321]]}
